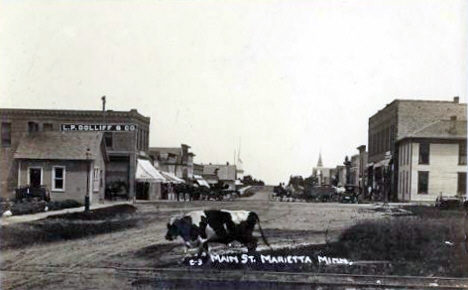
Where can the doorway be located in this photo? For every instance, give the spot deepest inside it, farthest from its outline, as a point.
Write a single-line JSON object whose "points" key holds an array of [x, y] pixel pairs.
{"points": [[35, 177]]}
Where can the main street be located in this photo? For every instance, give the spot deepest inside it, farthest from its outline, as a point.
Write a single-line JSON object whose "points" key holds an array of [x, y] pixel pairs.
{"points": [[84, 263]]}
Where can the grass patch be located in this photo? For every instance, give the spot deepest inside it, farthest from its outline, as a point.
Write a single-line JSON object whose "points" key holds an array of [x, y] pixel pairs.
{"points": [[36, 206], [63, 204], [68, 226], [413, 246], [98, 214], [434, 212]]}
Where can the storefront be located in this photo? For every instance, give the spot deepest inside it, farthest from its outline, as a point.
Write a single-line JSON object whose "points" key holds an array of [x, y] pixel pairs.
{"points": [[148, 181]]}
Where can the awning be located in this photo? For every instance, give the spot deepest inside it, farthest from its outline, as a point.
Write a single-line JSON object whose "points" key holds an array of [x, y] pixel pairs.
{"points": [[381, 163], [171, 177], [147, 173], [238, 182], [201, 181]]}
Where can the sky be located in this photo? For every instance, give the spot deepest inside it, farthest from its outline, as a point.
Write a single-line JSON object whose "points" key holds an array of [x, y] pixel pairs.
{"points": [[282, 80]]}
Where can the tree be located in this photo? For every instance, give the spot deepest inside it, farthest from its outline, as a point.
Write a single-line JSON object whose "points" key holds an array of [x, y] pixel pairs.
{"points": [[249, 180], [296, 181]]}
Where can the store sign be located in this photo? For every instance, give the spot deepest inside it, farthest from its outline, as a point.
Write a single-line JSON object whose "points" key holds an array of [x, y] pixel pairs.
{"points": [[103, 128]]}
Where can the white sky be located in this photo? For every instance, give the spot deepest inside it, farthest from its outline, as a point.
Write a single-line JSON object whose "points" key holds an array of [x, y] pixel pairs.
{"points": [[288, 78]]}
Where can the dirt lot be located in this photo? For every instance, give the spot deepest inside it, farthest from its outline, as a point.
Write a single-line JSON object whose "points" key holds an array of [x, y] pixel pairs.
{"points": [[85, 262]]}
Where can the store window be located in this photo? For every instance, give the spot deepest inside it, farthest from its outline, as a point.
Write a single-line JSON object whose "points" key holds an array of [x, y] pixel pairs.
{"points": [[96, 178], [423, 182], [461, 183], [58, 178]]}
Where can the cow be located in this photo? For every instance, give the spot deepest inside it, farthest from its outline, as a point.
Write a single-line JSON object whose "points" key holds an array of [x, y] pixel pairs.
{"points": [[198, 228]]}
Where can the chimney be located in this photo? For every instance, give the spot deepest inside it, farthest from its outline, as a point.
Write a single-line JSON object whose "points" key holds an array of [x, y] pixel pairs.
{"points": [[456, 99]]}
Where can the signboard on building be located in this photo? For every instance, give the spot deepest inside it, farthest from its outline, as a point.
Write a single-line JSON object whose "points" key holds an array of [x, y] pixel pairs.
{"points": [[99, 127]]}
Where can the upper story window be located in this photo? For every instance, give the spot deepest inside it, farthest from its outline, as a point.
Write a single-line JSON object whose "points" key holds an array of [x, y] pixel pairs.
{"points": [[6, 134], [424, 153], [462, 153], [108, 139], [33, 127], [48, 127]]}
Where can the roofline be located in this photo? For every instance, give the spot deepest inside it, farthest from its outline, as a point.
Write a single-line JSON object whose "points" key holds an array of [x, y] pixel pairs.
{"points": [[446, 139], [48, 112], [416, 101], [163, 148], [66, 159], [386, 106]]}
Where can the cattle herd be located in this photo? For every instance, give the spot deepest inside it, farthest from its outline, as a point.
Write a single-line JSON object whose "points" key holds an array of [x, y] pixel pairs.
{"points": [[199, 228]]}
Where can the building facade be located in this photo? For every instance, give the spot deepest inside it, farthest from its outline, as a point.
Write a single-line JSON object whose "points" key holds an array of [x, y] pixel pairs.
{"points": [[69, 165], [227, 174], [175, 160], [432, 162], [399, 120], [125, 135]]}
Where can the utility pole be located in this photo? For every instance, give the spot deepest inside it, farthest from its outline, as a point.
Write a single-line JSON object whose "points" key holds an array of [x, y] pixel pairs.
{"points": [[88, 172], [103, 109]]}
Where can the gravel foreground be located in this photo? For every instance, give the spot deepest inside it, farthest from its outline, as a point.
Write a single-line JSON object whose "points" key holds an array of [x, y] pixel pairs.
{"points": [[69, 263]]}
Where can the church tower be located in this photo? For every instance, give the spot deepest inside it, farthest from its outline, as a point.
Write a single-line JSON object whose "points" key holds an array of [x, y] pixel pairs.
{"points": [[319, 163]]}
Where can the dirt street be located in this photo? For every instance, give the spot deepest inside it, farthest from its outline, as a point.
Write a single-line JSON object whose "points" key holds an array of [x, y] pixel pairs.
{"points": [[84, 263]]}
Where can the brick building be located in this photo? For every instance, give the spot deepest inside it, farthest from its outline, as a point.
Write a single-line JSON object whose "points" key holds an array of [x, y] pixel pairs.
{"points": [[397, 121], [125, 135]]}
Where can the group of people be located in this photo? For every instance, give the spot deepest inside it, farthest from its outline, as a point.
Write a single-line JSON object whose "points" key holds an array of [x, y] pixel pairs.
{"points": [[179, 191], [192, 191]]}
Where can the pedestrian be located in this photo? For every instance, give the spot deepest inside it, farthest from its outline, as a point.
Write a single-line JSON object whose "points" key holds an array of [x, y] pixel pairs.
{"points": [[170, 192]]}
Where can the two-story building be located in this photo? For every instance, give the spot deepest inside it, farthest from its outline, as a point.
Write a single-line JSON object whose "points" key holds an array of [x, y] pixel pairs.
{"points": [[177, 161], [226, 174], [125, 135], [432, 161], [402, 120]]}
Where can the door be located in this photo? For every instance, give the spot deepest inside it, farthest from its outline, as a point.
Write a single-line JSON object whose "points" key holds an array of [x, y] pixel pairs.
{"points": [[35, 177]]}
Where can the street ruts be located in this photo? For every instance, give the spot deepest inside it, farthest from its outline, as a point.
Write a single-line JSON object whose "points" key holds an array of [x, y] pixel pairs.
{"points": [[275, 279]]}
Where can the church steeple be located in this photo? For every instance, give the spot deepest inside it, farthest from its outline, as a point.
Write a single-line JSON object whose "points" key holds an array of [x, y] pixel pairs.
{"points": [[319, 163]]}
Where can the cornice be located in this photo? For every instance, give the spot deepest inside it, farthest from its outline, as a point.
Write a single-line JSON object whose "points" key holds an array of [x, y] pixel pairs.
{"points": [[132, 114]]}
